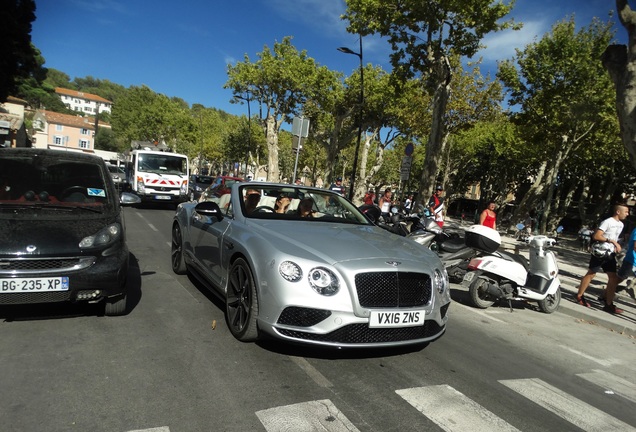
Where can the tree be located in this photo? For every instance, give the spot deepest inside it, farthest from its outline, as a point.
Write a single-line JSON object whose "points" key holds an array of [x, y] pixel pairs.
{"points": [[423, 35], [18, 59], [620, 62], [280, 81], [563, 97]]}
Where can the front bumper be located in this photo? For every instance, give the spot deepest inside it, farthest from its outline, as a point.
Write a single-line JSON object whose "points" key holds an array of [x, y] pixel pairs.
{"points": [[105, 277]]}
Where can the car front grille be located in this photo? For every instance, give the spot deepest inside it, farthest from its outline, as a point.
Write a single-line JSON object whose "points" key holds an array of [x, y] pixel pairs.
{"points": [[393, 289], [35, 297], [34, 266], [362, 334], [302, 317]]}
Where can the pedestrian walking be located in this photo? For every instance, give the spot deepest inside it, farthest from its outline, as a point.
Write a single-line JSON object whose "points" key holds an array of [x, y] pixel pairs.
{"points": [[385, 203], [604, 248], [627, 268], [436, 206]]}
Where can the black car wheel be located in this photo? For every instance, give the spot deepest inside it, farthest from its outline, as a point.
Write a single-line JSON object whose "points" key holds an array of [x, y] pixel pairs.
{"points": [[178, 260], [241, 303]]}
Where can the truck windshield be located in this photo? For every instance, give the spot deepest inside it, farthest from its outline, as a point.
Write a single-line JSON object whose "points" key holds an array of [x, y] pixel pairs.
{"points": [[162, 164]]}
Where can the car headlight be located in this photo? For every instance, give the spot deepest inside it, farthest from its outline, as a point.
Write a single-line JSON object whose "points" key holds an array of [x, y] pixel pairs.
{"points": [[290, 271], [440, 280], [323, 281], [105, 236]]}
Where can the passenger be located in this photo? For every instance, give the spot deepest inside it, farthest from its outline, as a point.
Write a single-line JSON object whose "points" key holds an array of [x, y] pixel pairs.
{"points": [[282, 203], [306, 208], [252, 197]]}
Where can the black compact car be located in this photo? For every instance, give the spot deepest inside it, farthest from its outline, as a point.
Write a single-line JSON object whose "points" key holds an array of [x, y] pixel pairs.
{"points": [[63, 230]]}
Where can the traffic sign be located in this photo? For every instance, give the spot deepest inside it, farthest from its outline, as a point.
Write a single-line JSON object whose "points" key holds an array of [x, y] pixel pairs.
{"points": [[408, 151]]}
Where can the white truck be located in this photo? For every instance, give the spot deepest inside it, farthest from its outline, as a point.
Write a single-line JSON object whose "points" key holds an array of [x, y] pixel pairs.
{"points": [[157, 176]]}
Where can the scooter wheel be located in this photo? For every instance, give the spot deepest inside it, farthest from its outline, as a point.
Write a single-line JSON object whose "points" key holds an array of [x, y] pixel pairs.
{"points": [[479, 295], [551, 302]]}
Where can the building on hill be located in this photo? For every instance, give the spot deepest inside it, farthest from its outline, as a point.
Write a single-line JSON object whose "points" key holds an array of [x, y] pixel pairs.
{"points": [[83, 102], [64, 131], [13, 131]]}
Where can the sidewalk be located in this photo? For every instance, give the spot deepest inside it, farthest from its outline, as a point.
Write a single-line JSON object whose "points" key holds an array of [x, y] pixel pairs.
{"points": [[572, 266]]}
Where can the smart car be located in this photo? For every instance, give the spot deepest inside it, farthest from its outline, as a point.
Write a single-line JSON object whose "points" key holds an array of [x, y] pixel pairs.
{"points": [[63, 230], [304, 265]]}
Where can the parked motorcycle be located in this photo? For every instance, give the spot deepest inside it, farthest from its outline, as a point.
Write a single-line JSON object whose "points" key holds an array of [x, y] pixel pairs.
{"points": [[398, 223], [450, 247], [509, 276]]}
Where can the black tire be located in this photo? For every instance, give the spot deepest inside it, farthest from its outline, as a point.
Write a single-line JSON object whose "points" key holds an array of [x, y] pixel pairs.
{"points": [[551, 302], [478, 294], [178, 260], [241, 302], [115, 306]]}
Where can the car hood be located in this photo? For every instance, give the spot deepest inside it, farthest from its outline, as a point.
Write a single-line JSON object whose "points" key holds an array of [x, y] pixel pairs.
{"points": [[334, 243], [50, 237]]}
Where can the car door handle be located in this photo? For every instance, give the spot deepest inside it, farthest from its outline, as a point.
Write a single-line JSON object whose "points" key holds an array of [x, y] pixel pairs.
{"points": [[228, 245]]}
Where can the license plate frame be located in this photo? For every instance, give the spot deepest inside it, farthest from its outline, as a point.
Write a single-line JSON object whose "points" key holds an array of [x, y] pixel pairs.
{"points": [[397, 319], [31, 285]]}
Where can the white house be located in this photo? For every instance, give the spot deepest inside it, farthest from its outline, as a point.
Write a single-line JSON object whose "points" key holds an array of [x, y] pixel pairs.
{"points": [[83, 102]]}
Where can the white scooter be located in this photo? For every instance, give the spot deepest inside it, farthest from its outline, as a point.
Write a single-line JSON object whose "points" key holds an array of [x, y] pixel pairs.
{"points": [[504, 275]]}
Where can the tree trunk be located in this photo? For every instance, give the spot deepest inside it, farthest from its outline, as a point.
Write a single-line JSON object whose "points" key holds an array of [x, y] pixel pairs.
{"points": [[435, 145], [620, 62], [273, 173]]}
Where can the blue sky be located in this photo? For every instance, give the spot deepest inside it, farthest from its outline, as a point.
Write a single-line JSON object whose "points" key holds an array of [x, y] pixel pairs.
{"points": [[182, 48]]}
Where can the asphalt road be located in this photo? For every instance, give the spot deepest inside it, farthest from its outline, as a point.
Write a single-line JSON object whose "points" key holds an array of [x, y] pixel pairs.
{"points": [[171, 365]]}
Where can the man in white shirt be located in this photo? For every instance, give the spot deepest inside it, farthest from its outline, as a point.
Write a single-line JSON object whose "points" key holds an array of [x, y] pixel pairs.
{"points": [[603, 257]]}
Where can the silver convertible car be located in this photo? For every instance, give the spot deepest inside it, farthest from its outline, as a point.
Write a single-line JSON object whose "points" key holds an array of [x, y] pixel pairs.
{"points": [[304, 265]]}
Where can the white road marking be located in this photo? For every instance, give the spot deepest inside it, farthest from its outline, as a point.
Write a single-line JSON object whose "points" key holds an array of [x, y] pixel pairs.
{"points": [[609, 381], [575, 411], [478, 312], [152, 227], [157, 429], [313, 373], [602, 362], [321, 415], [452, 411]]}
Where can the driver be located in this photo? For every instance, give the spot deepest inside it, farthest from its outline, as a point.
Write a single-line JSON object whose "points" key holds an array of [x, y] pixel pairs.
{"points": [[252, 197]]}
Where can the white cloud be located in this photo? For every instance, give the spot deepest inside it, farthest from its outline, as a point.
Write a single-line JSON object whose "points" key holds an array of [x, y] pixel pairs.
{"points": [[323, 15], [501, 45]]}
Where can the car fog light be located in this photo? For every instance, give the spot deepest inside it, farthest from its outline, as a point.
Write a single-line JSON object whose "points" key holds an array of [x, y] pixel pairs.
{"points": [[290, 271], [323, 281], [88, 294]]}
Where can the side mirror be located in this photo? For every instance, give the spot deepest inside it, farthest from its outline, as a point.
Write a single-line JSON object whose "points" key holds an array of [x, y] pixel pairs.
{"points": [[126, 198], [210, 209]]}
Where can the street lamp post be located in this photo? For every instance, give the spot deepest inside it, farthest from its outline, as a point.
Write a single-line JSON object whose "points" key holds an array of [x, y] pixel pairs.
{"points": [[249, 129], [361, 101]]}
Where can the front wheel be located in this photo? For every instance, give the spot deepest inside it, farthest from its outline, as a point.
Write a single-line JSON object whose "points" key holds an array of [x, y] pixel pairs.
{"points": [[551, 302], [177, 251], [241, 302], [479, 294]]}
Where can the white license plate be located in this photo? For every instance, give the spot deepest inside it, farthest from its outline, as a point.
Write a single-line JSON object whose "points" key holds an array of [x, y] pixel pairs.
{"points": [[387, 319], [162, 197], [22, 285], [468, 278]]}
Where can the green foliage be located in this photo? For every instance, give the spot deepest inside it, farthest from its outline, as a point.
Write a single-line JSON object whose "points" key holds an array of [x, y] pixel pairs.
{"points": [[422, 31], [19, 57]]}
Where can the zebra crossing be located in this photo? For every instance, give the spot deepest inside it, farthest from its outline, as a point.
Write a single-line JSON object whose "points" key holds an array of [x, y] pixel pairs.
{"points": [[452, 411]]}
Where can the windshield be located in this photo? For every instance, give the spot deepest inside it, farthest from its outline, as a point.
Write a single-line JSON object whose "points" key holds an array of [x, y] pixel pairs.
{"points": [[162, 163], [53, 182], [287, 202]]}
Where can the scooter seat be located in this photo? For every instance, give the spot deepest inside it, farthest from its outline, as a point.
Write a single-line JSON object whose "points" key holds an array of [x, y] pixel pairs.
{"points": [[453, 245], [515, 258]]}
